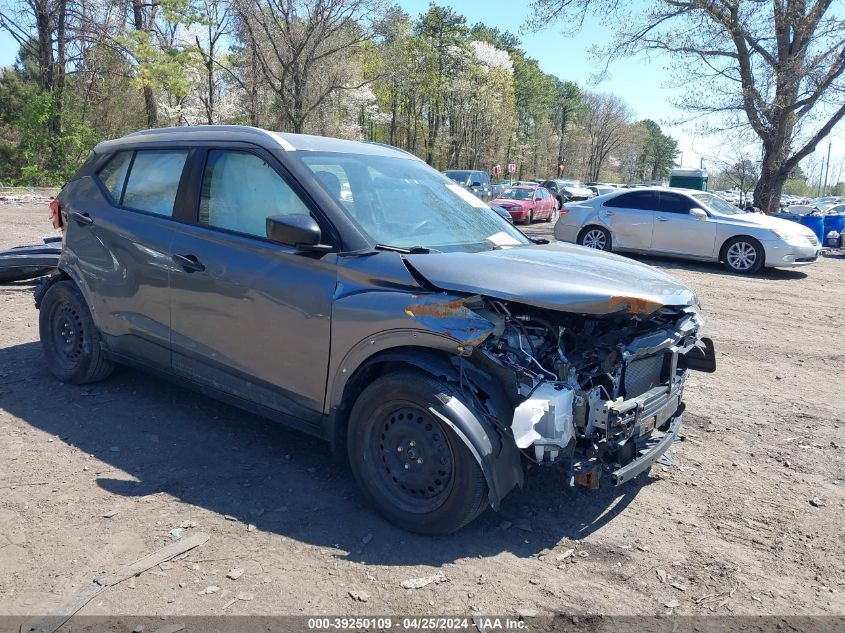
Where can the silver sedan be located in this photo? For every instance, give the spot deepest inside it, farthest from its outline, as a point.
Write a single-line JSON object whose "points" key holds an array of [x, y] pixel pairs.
{"points": [[686, 223]]}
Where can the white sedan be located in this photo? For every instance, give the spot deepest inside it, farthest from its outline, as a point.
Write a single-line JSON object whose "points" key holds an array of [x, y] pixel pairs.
{"points": [[686, 223]]}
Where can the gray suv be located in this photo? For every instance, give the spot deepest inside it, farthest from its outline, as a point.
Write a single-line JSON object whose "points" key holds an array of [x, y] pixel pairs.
{"points": [[478, 182], [349, 290]]}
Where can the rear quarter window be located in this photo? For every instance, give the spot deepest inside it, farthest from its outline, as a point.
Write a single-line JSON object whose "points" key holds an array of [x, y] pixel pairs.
{"points": [[113, 174]]}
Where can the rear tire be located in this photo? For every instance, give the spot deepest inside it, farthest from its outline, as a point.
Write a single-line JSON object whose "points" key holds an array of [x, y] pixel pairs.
{"points": [[596, 237], [414, 470], [69, 338], [743, 255]]}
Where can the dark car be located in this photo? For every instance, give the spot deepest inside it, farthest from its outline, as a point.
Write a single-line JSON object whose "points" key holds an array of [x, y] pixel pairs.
{"points": [[567, 190], [349, 290], [477, 182]]}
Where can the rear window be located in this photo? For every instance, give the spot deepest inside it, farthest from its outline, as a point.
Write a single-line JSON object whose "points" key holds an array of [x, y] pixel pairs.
{"points": [[113, 175], [154, 181]]}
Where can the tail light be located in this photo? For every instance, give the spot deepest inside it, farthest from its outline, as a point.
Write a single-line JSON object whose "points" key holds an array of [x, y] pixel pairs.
{"points": [[564, 211], [56, 213]]}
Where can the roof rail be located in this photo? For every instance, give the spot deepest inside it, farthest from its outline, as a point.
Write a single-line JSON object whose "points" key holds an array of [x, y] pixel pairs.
{"points": [[196, 129]]}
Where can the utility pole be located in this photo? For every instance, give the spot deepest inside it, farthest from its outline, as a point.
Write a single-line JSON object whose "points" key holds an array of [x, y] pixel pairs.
{"points": [[826, 169]]}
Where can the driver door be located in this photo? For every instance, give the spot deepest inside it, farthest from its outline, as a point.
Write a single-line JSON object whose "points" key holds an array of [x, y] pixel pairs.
{"points": [[250, 317]]}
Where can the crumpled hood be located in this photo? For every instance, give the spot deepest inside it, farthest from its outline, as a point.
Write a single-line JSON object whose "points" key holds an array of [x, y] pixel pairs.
{"points": [[766, 221], [556, 276]]}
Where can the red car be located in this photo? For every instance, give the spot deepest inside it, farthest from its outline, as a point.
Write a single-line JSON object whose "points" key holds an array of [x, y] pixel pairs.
{"points": [[526, 204]]}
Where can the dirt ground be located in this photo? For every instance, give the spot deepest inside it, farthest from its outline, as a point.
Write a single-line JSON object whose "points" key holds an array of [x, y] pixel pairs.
{"points": [[750, 521]]}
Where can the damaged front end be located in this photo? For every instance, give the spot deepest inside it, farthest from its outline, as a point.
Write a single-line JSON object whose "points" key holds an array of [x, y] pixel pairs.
{"points": [[595, 394]]}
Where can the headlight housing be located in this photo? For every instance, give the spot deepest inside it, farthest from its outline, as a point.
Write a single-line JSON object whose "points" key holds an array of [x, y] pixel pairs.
{"points": [[780, 234]]}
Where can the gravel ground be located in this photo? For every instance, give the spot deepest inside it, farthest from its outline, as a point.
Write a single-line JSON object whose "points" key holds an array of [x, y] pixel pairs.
{"points": [[749, 522]]}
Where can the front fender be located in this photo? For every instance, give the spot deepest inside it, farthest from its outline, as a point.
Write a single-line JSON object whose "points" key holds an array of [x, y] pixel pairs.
{"points": [[493, 449]]}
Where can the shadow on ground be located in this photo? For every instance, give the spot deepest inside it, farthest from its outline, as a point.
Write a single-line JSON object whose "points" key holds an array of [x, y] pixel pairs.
{"points": [[772, 274], [207, 454]]}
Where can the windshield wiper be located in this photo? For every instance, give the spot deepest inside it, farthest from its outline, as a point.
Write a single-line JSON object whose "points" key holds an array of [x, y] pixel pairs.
{"points": [[412, 250]]}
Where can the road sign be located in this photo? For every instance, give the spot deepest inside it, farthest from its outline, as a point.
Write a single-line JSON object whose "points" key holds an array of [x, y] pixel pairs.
{"points": [[511, 168], [497, 169]]}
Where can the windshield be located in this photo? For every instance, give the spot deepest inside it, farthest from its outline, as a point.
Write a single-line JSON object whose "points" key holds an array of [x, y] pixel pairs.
{"points": [[461, 177], [517, 194], [717, 204], [402, 202]]}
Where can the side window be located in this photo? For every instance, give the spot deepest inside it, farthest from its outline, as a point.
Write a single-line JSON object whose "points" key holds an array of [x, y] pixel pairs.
{"points": [[154, 180], [113, 175], [645, 200], [239, 192], [674, 203]]}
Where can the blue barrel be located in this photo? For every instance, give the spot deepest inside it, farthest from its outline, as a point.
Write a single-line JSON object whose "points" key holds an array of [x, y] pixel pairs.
{"points": [[815, 223], [834, 223]]}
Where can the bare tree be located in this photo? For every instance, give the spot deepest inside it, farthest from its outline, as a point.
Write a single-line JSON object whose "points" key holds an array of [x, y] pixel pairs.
{"points": [[215, 23], [297, 45], [774, 65], [606, 119]]}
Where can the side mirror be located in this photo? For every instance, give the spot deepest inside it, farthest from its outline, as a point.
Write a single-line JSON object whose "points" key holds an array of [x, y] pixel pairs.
{"points": [[698, 214], [298, 230]]}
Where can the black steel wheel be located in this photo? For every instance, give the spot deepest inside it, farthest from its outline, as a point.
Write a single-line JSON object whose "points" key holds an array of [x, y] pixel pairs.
{"points": [[411, 466], [69, 338], [416, 456]]}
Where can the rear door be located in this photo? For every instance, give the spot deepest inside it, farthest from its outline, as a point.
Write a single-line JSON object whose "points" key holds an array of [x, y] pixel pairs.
{"points": [[119, 228], [250, 317], [679, 233], [630, 218], [547, 202]]}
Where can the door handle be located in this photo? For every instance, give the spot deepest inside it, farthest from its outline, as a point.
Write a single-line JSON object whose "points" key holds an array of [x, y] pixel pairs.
{"points": [[82, 218], [189, 262], [662, 219], [610, 213]]}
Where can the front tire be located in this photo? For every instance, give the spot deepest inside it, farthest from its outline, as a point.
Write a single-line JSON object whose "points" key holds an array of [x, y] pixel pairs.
{"points": [[529, 218], [743, 255], [595, 237], [69, 338], [414, 470]]}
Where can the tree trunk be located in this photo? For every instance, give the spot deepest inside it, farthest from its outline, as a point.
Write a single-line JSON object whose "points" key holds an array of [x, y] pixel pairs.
{"points": [[149, 96], [151, 107], [769, 186]]}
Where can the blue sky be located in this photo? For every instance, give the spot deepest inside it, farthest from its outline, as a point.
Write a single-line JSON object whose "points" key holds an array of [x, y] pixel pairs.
{"points": [[641, 82]]}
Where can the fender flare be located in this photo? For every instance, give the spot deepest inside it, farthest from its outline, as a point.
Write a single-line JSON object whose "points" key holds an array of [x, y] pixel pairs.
{"points": [[494, 450]]}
